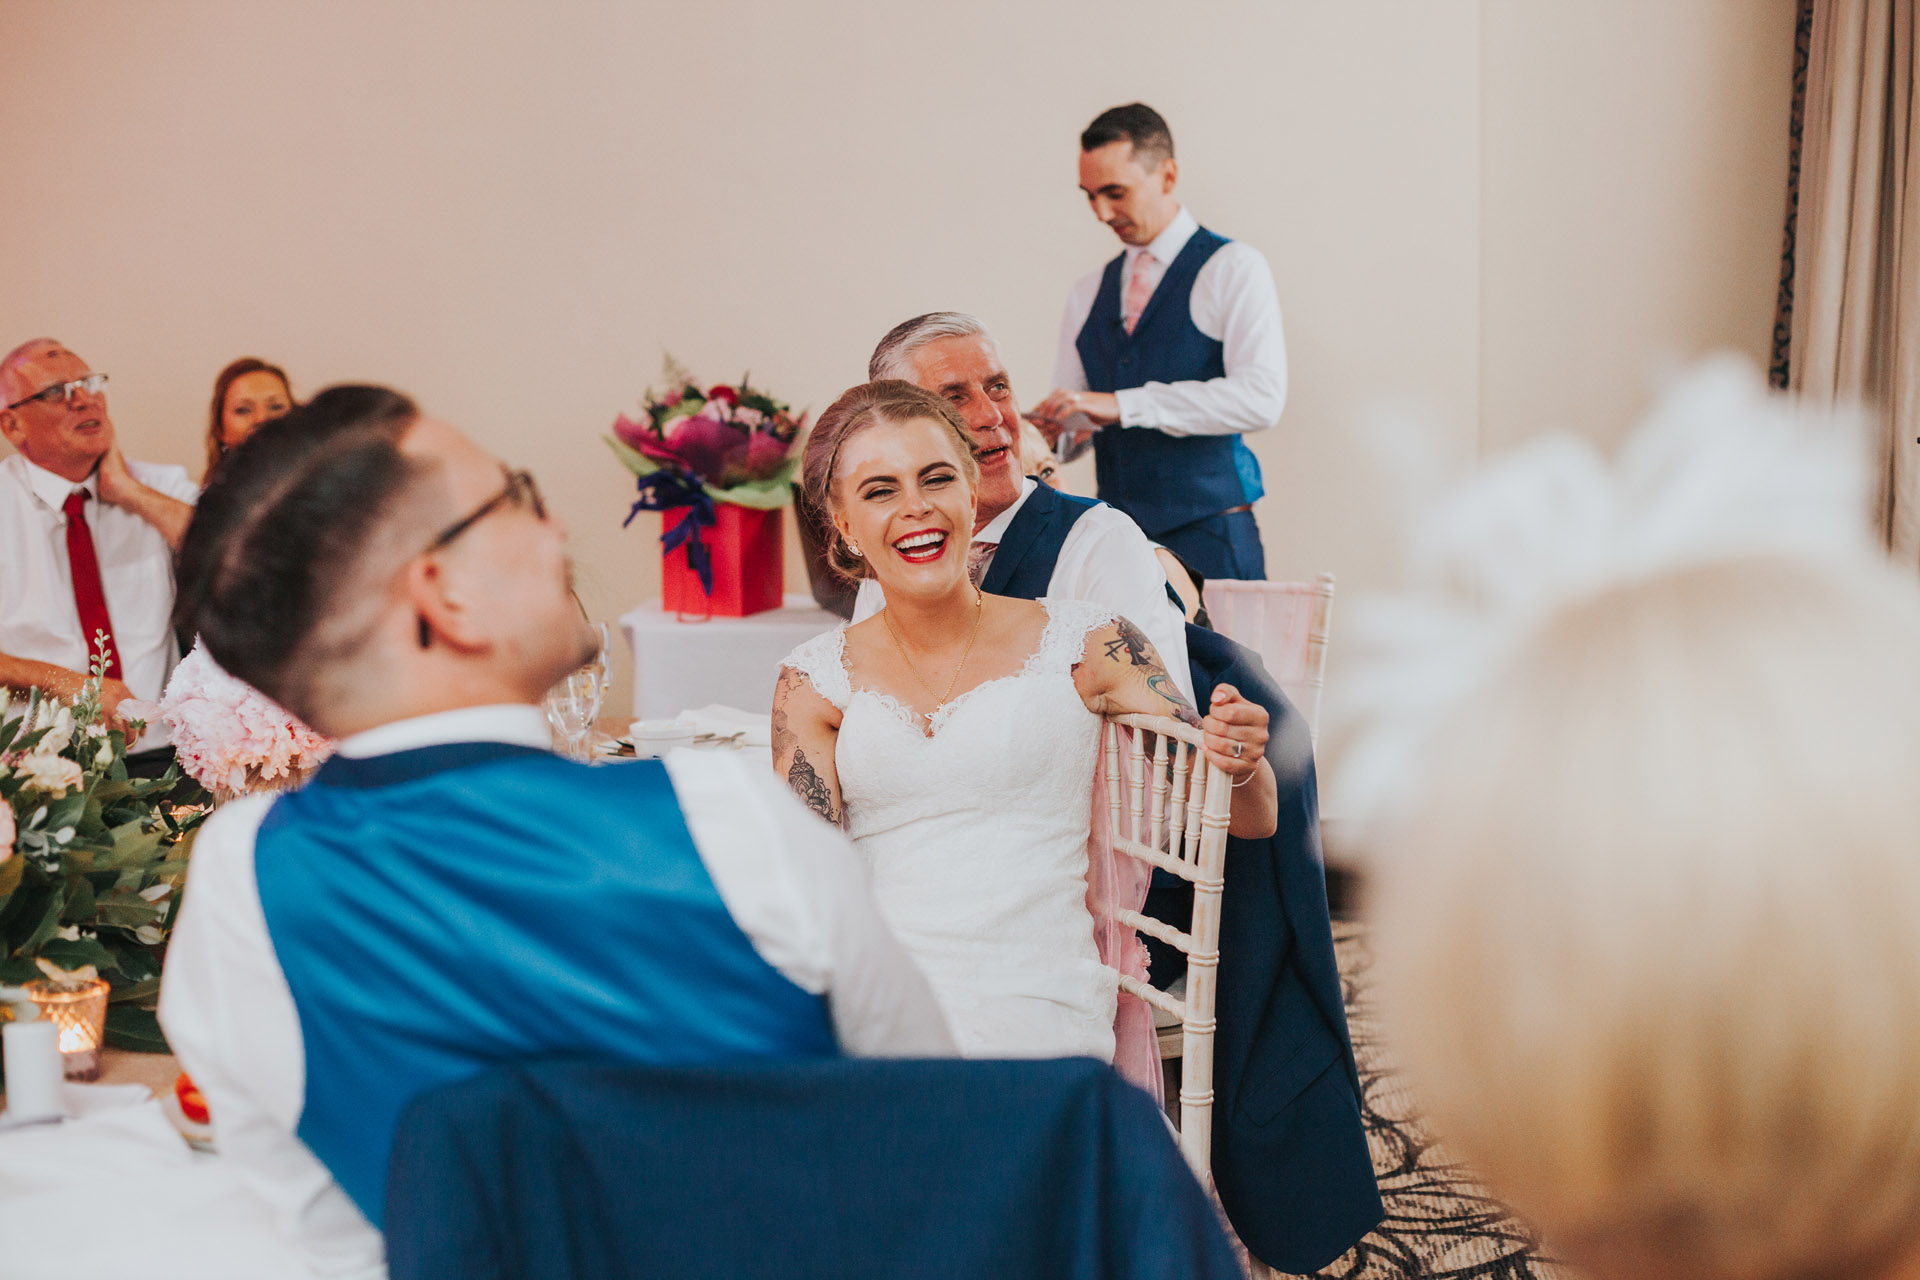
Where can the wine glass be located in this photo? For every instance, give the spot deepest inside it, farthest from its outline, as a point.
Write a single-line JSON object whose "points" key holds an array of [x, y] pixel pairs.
{"points": [[603, 656], [571, 707]]}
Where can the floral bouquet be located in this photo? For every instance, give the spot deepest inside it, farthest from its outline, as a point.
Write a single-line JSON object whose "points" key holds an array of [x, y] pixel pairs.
{"points": [[91, 861], [694, 448], [231, 737]]}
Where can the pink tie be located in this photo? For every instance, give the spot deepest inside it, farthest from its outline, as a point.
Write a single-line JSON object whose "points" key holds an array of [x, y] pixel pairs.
{"points": [[977, 556], [1140, 287]]}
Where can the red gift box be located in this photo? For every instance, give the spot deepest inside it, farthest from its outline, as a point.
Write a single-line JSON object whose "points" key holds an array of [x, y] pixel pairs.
{"points": [[749, 564]]}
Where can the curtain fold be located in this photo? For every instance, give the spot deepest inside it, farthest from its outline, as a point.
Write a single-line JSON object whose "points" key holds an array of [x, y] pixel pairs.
{"points": [[1856, 306]]}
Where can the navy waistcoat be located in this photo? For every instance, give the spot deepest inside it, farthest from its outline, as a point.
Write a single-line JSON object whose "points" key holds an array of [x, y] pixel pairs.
{"points": [[446, 909], [1023, 562], [1162, 481]]}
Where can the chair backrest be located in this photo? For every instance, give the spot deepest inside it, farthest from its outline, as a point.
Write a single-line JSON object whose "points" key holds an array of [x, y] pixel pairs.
{"points": [[1167, 806], [1287, 624], [835, 1169]]}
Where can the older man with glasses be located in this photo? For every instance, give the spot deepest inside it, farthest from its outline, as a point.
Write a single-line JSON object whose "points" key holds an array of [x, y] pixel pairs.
{"points": [[86, 538]]}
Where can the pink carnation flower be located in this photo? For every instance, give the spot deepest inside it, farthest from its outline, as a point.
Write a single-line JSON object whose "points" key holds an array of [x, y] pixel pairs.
{"points": [[228, 734]]}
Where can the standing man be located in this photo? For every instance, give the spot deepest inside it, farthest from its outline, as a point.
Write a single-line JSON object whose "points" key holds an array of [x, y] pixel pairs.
{"points": [[1168, 355], [86, 538]]}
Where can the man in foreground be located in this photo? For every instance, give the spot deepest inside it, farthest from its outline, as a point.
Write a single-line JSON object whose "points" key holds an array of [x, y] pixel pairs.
{"points": [[446, 894], [86, 538]]}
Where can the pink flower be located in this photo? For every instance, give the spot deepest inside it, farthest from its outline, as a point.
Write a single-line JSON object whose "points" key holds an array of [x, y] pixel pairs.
{"points": [[636, 434], [228, 734], [748, 416], [765, 454], [710, 448]]}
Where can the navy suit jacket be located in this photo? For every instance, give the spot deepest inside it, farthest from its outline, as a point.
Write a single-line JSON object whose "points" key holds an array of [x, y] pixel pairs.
{"points": [[831, 1170], [1290, 1154]]}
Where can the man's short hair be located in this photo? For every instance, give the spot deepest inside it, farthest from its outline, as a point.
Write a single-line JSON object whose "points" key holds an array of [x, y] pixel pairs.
{"points": [[893, 358], [282, 528], [1136, 123]]}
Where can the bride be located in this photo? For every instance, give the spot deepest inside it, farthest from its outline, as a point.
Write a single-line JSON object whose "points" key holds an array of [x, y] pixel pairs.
{"points": [[955, 735]]}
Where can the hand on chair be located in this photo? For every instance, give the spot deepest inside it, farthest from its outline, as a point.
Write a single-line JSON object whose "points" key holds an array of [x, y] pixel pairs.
{"points": [[1236, 732]]}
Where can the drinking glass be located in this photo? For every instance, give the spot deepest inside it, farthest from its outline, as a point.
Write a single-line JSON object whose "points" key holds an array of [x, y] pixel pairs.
{"points": [[572, 706], [603, 656]]}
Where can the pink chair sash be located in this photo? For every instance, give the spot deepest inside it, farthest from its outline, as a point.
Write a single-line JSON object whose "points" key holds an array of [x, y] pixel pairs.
{"points": [[1115, 881]]}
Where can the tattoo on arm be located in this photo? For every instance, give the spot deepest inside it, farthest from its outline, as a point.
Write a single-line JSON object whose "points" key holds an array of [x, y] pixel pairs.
{"points": [[1162, 683], [783, 736], [811, 787], [1133, 643]]}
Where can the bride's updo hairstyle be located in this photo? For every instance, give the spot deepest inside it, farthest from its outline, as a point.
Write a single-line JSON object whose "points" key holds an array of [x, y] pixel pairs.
{"points": [[890, 402]]}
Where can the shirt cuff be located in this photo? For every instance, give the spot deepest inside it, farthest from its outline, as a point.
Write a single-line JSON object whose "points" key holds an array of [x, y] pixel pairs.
{"points": [[1134, 407]]}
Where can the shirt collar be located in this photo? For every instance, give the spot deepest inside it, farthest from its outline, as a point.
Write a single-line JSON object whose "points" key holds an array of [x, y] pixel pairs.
{"points": [[996, 528], [52, 489], [1166, 246], [516, 723]]}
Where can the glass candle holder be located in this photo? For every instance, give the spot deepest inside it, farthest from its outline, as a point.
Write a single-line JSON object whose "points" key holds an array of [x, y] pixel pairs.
{"points": [[77, 1006]]}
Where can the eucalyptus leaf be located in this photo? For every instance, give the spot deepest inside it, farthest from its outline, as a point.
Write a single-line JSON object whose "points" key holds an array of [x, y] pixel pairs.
{"points": [[127, 915], [72, 955], [135, 1027]]}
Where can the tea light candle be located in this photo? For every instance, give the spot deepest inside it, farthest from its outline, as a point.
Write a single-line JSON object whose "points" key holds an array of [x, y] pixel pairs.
{"points": [[30, 1047], [78, 1007]]}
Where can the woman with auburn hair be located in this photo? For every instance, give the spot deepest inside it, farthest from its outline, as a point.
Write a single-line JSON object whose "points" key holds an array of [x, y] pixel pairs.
{"points": [[955, 735], [1647, 914], [247, 393]]}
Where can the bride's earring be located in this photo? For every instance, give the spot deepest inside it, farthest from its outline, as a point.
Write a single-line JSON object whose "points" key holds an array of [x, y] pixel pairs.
{"points": [[854, 551]]}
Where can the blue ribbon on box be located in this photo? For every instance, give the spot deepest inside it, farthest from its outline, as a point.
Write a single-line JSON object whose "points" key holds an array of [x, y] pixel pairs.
{"points": [[667, 490]]}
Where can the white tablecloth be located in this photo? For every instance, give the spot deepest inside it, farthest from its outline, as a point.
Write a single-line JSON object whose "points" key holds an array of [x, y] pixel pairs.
{"points": [[732, 661]]}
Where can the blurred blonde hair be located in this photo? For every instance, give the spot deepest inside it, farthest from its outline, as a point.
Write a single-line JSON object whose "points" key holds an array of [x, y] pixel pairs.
{"points": [[1650, 946], [1036, 455]]}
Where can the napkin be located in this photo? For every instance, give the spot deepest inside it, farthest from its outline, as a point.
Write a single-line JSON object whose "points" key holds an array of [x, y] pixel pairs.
{"points": [[753, 729]]}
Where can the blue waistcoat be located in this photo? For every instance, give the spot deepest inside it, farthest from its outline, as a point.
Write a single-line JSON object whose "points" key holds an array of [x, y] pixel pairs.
{"points": [[1162, 481], [446, 909]]}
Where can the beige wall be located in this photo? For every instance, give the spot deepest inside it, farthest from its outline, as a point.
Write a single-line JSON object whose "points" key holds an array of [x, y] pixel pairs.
{"points": [[1634, 186], [1499, 206]]}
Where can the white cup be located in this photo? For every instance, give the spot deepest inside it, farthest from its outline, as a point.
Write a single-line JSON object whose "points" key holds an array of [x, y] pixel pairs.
{"points": [[36, 1074], [652, 739]]}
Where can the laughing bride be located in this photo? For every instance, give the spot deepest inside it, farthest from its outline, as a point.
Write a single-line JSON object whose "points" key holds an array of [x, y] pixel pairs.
{"points": [[955, 735]]}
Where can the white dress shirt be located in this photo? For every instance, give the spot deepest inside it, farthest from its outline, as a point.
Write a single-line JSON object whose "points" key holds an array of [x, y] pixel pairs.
{"points": [[1234, 303], [1105, 559], [791, 882], [38, 619]]}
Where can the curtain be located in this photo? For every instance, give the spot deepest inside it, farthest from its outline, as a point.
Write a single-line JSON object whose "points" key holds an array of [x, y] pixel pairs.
{"points": [[1855, 313]]}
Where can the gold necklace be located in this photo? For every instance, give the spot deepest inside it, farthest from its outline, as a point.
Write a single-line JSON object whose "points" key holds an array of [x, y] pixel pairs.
{"points": [[979, 603]]}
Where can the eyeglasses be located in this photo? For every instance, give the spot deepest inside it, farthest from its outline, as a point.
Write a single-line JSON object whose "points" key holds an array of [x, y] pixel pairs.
{"points": [[519, 491], [63, 391]]}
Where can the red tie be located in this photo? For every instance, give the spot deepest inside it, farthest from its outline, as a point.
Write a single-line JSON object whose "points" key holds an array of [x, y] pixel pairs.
{"points": [[89, 597]]}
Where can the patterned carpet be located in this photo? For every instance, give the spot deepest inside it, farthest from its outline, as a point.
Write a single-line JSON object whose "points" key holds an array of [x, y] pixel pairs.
{"points": [[1438, 1222]]}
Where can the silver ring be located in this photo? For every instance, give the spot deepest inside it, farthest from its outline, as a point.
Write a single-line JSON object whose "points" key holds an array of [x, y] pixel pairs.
{"points": [[1239, 749]]}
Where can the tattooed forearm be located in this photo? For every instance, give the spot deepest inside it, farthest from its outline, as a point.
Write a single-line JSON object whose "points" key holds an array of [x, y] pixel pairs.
{"points": [[1132, 643], [811, 787], [783, 735], [1162, 683]]}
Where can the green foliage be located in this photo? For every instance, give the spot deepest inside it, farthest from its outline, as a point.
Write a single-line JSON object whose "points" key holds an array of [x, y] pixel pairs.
{"points": [[93, 872]]}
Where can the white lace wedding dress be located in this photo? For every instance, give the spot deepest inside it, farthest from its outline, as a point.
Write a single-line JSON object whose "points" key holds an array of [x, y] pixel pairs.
{"points": [[977, 840]]}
